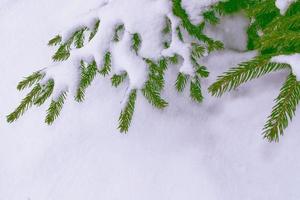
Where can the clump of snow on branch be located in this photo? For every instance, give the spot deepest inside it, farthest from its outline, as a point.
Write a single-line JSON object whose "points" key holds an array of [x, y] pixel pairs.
{"points": [[292, 60], [283, 5]]}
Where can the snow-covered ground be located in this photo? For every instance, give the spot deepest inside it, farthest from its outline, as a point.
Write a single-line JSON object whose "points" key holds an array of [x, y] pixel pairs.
{"points": [[213, 151]]}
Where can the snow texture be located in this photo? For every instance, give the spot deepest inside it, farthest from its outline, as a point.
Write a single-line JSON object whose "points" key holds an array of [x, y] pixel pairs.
{"points": [[292, 60], [283, 5], [210, 151]]}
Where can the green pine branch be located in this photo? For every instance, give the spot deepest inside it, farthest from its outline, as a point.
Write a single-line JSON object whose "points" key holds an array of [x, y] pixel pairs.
{"points": [[30, 80], [79, 37], [45, 93], [118, 30], [55, 41], [105, 70], [136, 42], [25, 104], [94, 29], [284, 110], [127, 112], [55, 108], [181, 81], [246, 71], [195, 90], [87, 76], [117, 79]]}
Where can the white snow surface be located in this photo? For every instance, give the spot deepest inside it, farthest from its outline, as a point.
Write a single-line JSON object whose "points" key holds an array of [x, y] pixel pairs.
{"points": [[283, 5], [210, 151], [292, 60]]}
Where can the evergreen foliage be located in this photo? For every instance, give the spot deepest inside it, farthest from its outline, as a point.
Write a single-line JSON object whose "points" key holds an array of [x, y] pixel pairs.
{"points": [[127, 112], [55, 108], [271, 34], [88, 74]]}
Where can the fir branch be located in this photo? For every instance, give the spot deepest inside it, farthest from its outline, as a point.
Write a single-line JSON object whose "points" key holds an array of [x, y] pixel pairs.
{"points": [[45, 93], [30, 80], [55, 41], [244, 72], [210, 17], [55, 108], [79, 37], [63, 53], [94, 30], [153, 96], [118, 30], [282, 42], [201, 71], [25, 104], [195, 90], [197, 50], [181, 81], [87, 76], [117, 79], [136, 42], [284, 110], [173, 59], [107, 64], [127, 112]]}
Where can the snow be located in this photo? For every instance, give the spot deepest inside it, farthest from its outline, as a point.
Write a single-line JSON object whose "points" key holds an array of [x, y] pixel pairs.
{"points": [[210, 151], [283, 5], [292, 60]]}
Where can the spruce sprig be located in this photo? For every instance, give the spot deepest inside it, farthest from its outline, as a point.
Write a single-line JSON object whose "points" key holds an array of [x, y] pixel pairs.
{"points": [[25, 104], [55, 108], [45, 93], [246, 71], [30, 80], [55, 40], [127, 112], [195, 90], [94, 29], [181, 81], [88, 74], [117, 79], [106, 68], [284, 110], [136, 42]]}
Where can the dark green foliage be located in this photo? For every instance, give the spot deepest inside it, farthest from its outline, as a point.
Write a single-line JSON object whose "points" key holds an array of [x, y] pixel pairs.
{"points": [[117, 79], [25, 104], [30, 80], [88, 74], [244, 72], [197, 50], [271, 34], [195, 90], [63, 53], [79, 37], [173, 60], [55, 108], [55, 41], [155, 83], [210, 17], [201, 71], [136, 42], [284, 110], [106, 68], [127, 112], [94, 30], [181, 81], [118, 30], [45, 93]]}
